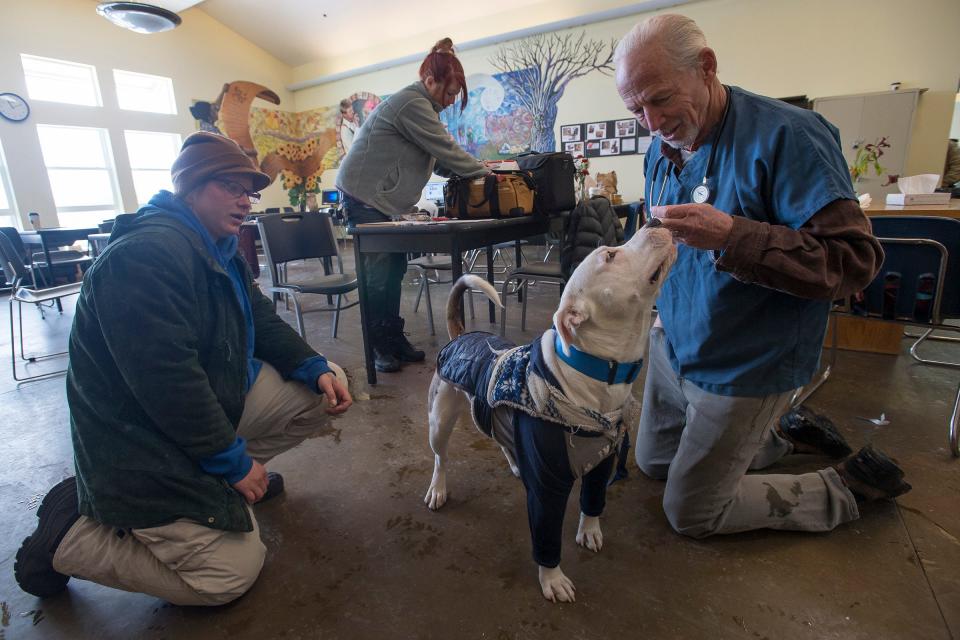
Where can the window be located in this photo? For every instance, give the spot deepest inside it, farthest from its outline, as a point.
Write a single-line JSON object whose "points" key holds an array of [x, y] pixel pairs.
{"points": [[143, 92], [81, 172], [151, 155], [8, 214], [61, 81]]}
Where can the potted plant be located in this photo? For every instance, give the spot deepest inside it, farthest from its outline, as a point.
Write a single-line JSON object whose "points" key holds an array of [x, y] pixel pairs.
{"points": [[867, 157]]}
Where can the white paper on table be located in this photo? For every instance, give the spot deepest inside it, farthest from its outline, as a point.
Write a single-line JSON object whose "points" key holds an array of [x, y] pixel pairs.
{"points": [[922, 183]]}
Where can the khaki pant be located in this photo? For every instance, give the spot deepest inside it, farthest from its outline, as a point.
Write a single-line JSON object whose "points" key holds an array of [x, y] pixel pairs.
{"points": [[184, 562]]}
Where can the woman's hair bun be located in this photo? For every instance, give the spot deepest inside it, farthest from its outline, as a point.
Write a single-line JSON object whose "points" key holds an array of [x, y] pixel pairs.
{"points": [[443, 46]]}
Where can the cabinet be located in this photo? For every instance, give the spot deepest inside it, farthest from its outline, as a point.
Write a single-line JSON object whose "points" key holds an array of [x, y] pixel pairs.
{"points": [[868, 117]]}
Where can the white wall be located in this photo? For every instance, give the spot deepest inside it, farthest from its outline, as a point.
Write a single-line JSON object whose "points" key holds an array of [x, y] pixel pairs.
{"points": [[773, 47], [200, 55]]}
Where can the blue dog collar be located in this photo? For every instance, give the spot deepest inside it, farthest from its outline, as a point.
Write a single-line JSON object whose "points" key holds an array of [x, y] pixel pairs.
{"points": [[609, 371]]}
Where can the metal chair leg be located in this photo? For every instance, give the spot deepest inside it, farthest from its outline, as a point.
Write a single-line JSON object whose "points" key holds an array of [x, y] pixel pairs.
{"points": [[523, 307], [800, 395], [473, 313], [13, 347], [423, 279], [336, 316], [296, 306], [916, 356], [426, 287], [954, 434]]}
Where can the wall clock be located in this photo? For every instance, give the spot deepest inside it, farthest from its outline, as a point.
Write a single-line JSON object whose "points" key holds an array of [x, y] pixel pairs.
{"points": [[13, 107]]}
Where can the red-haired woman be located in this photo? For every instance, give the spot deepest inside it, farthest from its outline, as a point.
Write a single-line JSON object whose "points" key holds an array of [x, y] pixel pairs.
{"points": [[399, 145]]}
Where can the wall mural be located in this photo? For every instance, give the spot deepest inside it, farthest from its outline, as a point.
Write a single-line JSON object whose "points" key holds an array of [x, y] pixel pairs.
{"points": [[297, 147], [538, 69], [508, 113], [495, 124]]}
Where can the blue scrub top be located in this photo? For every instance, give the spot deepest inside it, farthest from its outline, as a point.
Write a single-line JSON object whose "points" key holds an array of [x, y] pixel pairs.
{"points": [[777, 164]]}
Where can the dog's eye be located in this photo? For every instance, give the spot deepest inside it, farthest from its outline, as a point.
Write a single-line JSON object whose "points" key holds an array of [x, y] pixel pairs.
{"points": [[611, 255], [656, 274]]}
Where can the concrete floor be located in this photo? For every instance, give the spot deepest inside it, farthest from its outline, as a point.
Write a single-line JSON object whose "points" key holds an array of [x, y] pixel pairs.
{"points": [[354, 553]]}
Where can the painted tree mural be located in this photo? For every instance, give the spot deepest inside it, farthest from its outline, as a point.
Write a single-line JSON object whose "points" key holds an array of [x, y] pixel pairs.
{"points": [[539, 68]]}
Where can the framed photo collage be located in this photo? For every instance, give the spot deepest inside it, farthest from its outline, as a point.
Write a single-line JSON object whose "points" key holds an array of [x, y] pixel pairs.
{"points": [[604, 138]]}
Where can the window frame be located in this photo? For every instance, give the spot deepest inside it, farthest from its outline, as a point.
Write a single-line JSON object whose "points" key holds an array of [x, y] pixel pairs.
{"points": [[94, 78], [111, 168], [168, 81], [134, 169], [6, 185]]}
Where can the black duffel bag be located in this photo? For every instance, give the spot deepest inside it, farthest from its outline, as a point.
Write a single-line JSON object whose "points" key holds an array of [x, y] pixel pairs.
{"points": [[553, 174]]}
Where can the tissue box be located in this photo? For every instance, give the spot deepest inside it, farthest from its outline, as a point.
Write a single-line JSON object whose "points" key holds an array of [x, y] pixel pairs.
{"points": [[907, 199]]}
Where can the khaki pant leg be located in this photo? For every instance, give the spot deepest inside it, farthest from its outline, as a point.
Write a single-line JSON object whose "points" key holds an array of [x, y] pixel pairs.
{"points": [[182, 562], [278, 414]]}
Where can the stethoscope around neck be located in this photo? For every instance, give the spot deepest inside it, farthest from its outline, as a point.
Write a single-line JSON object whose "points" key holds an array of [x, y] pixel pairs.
{"points": [[701, 193]]}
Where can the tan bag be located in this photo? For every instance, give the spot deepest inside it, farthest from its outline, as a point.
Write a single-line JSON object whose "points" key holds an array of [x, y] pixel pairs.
{"points": [[502, 195]]}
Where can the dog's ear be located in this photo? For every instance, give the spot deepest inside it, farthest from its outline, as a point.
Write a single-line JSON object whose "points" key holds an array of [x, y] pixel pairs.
{"points": [[568, 319]]}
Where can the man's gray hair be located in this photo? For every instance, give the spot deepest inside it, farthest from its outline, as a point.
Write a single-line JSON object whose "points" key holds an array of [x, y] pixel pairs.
{"points": [[679, 36]]}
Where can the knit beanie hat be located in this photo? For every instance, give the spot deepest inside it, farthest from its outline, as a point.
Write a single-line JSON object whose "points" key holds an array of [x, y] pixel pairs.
{"points": [[205, 155]]}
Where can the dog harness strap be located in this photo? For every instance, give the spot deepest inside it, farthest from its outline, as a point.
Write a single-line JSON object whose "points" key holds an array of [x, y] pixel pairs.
{"points": [[609, 371]]}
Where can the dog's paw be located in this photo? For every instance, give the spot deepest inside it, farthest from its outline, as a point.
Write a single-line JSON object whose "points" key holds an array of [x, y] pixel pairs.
{"points": [[556, 586], [436, 496], [589, 534]]}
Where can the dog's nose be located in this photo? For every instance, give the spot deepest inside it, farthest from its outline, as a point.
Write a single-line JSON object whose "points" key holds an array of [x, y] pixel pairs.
{"points": [[652, 222]]}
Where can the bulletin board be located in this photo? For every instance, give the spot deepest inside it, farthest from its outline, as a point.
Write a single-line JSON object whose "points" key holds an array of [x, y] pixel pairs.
{"points": [[604, 138]]}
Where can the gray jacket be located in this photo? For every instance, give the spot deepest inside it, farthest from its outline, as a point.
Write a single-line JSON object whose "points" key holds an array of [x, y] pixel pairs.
{"points": [[399, 145]]}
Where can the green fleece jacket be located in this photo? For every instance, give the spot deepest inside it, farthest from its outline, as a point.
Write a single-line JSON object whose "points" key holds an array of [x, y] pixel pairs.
{"points": [[399, 145], [157, 377]]}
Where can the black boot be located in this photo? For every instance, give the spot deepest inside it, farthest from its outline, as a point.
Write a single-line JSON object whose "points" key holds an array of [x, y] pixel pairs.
{"points": [[384, 359], [402, 349], [872, 475], [33, 567], [814, 433]]}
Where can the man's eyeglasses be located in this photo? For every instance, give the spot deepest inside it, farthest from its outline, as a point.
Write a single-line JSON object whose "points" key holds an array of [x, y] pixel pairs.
{"points": [[237, 190]]}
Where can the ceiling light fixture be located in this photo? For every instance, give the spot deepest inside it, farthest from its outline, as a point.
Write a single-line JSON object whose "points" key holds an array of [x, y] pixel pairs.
{"points": [[139, 17]]}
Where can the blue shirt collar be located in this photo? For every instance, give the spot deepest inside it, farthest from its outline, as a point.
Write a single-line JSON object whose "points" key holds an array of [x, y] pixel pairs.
{"points": [[609, 371]]}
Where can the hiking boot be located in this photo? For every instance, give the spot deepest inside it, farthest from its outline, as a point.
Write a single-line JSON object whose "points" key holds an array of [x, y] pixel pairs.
{"points": [[385, 361], [871, 475], [33, 567], [813, 433], [274, 486], [402, 349]]}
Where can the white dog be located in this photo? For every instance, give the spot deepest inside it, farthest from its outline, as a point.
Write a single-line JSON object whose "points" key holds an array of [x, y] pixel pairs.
{"points": [[559, 406]]}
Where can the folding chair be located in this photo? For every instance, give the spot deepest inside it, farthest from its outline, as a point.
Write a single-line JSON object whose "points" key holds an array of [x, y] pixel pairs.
{"points": [[919, 284], [15, 268], [300, 236]]}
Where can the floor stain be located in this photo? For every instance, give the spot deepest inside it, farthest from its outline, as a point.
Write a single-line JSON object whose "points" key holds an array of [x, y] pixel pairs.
{"points": [[411, 535], [328, 431]]}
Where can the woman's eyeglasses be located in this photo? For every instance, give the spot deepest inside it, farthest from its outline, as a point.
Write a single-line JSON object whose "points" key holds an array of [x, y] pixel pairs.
{"points": [[237, 190]]}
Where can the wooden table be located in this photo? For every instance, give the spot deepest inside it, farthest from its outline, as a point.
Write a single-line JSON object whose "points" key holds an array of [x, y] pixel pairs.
{"points": [[451, 237], [951, 210]]}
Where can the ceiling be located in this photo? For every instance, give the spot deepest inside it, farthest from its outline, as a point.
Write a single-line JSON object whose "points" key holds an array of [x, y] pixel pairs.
{"points": [[306, 31]]}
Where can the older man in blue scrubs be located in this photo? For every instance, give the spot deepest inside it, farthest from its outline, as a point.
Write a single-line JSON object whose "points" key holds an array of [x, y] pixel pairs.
{"points": [[756, 193]]}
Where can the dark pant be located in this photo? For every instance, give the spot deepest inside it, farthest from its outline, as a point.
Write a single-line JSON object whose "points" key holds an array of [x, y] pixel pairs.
{"points": [[383, 272]]}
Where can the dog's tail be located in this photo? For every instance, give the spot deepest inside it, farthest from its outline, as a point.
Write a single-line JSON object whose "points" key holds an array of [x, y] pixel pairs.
{"points": [[455, 301]]}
